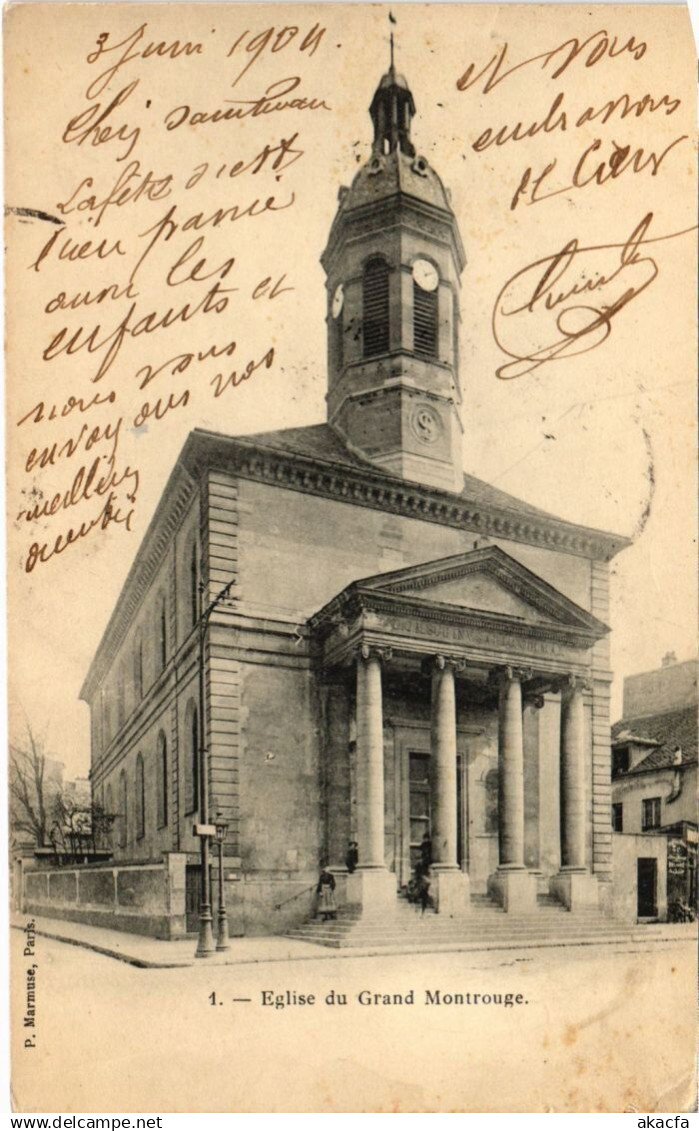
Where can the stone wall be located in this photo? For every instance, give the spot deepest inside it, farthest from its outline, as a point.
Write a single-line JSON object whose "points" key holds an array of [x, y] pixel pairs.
{"points": [[676, 788], [626, 850], [666, 689], [147, 899]]}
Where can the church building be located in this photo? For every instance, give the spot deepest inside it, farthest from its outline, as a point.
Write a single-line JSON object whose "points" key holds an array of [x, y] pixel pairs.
{"points": [[407, 650]]}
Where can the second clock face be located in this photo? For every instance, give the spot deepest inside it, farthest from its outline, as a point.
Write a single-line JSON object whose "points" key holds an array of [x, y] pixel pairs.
{"points": [[425, 275], [338, 300]]}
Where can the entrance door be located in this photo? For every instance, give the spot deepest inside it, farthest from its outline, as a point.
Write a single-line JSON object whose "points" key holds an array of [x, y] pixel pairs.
{"points": [[419, 802], [647, 887], [192, 897]]}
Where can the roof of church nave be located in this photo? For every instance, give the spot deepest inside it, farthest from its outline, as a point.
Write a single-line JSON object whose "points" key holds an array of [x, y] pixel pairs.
{"points": [[322, 442]]}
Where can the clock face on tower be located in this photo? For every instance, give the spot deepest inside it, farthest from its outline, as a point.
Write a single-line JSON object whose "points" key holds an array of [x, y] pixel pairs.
{"points": [[426, 424], [338, 300], [425, 275]]}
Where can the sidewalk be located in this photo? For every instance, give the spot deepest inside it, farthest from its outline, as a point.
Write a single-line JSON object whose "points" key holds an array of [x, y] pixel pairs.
{"points": [[146, 952], [143, 951]]}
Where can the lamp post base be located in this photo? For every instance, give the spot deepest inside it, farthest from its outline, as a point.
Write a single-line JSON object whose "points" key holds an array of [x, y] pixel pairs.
{"points": [[222, 942], [205, 945]]}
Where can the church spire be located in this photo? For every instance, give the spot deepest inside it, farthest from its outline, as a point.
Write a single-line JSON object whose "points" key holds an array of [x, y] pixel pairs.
{"points": [[392, 109], [393, 261]]}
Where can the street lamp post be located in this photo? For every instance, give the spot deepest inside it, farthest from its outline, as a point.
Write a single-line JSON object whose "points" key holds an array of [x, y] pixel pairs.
{"points": [[222, 934], [205, 944]]}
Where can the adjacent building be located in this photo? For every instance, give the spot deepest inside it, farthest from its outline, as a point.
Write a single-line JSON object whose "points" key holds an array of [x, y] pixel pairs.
{"points": [[654, 789], [408, 650]]}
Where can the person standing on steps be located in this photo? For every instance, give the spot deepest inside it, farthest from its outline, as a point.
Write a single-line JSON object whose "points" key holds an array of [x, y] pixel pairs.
{"points": [[352, 857], [326, 895], [422, 886]]}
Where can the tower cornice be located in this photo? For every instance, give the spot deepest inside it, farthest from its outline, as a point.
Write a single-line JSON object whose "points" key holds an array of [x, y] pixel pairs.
{"points": [[402, 208]]}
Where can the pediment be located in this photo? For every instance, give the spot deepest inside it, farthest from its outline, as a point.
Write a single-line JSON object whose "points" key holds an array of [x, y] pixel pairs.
{"points": [[477, 591], [488, 581]]}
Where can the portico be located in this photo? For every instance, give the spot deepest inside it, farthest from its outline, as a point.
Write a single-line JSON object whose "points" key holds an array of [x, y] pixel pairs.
{"points": [[473, 628]]}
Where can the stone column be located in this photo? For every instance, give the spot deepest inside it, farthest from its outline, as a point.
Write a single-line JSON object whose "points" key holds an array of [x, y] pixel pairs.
{"points": [[512, 884], [573, 885], [371, 886], [573, 777], [444, 764], [449, 886], [511, 771], [370, 792]]}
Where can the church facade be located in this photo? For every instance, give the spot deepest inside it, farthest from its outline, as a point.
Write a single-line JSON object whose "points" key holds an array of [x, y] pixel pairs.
{"points": [[408, 650]]}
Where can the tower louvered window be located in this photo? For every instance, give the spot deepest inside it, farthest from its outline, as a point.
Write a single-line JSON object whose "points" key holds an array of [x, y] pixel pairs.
{"points": [[424, 321], [375, 308]]}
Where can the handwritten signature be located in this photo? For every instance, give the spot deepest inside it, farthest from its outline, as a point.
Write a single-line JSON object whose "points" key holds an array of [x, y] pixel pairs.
{"points": [[547, 301]]}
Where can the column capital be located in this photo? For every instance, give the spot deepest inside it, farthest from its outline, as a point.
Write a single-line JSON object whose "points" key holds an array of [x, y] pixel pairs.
{"points": [[365, 652], [509, 673], [440, 662], [571, 682]]}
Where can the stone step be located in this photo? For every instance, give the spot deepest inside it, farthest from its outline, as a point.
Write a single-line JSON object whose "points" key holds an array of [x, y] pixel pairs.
{"points": [[461, 932], [574, 922], [358, 939], [502, 942]]}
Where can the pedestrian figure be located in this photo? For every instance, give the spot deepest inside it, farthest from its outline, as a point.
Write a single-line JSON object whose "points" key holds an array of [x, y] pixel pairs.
{"points": [[422, 884], [352, 857], [326, 896]]}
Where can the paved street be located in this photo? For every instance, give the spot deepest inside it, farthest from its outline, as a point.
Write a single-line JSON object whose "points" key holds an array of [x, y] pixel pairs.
{"points": [[601, 1030]]}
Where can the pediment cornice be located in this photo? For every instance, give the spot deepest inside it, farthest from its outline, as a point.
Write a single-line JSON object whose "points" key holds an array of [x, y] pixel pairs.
{"points": [[407, 590]]}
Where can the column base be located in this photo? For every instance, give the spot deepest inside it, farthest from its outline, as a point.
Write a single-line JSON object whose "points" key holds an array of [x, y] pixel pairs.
{"points": [[514, 890], [450, 890], [576, 889], [373, 890]]}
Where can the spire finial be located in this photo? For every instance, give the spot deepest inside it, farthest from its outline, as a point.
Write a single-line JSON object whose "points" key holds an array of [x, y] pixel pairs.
{"points": [[392, 108]]}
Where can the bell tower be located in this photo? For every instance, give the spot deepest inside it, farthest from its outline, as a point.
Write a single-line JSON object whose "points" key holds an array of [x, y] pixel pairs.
{"points": [[393, 263]]}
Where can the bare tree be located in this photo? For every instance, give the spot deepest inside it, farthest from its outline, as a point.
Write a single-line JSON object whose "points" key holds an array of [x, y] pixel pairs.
{"points": [[52, 813], [79, 828], [101, 824], [31, 799], [71, 831]]}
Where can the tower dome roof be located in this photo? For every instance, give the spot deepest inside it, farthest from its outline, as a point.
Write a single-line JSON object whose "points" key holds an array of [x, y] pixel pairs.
{"points": [[388, 174]]}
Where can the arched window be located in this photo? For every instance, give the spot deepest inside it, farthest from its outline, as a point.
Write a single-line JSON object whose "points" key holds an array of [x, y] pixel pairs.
{"points": [[491, 802], [191, 770], [425, 321], [375, 335], [138, 667], [162, 780], [123, 810], [108, 816], [140, 799], [161, 633]]}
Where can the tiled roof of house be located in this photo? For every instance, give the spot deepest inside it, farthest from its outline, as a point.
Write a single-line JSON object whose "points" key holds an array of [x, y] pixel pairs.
{"points": [[670, 729]]}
